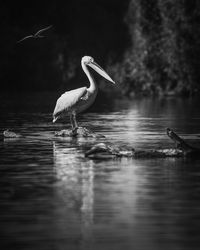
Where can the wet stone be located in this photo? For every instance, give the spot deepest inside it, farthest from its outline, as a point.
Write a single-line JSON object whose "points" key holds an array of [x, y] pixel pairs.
{"points": [[79, 132], [10, 134]]}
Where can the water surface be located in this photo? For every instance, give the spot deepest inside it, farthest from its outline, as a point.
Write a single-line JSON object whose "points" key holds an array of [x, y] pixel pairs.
{"points": [[52, 197]]}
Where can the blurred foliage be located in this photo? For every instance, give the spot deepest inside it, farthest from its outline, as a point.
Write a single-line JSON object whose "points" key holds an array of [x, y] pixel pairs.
{"points": [[164, 54], [147, 46]]}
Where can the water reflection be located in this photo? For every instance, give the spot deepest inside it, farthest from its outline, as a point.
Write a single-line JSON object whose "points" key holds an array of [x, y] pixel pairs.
{"points": [[52, 197], [76, 186]]}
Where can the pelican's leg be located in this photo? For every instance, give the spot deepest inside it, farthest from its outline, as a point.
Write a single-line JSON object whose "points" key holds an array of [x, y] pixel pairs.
{"points": [[75, 121], [72, 122]]}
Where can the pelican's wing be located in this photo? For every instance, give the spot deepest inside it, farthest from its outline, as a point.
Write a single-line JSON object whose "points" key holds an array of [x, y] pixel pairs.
{"points": [[68, 100], [26, 37], [42, 30]]}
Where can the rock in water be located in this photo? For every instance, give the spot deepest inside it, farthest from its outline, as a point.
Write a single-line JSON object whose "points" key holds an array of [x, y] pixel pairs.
{"points": [[182, 149], [9, 134], [79, 132]]}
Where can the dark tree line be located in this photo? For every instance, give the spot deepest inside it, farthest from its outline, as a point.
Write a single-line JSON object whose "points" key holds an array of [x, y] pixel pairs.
{"points": [[148, 46], [164, 54]]}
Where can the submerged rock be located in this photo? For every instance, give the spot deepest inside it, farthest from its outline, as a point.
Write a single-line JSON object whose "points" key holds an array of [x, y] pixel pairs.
{"points": [[102, 150], [79, 132], [10, 134], [182, 149]]}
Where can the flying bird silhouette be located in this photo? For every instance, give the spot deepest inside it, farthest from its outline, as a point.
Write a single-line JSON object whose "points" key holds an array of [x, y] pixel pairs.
{"points": [[36, 35]]}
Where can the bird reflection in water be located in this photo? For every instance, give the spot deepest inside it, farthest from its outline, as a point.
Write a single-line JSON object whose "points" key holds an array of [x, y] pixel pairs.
{"points": [[76, 190]]}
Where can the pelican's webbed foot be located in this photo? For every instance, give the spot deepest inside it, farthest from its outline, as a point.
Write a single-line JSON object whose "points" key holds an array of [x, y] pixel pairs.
{"points": [[74, 132]]}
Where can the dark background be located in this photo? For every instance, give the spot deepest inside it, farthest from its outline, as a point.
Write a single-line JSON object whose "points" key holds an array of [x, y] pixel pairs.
{"points": [[147, 46]]}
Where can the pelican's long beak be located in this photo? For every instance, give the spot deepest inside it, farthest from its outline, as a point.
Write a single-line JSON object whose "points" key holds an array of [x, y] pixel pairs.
{"points": [[101, 71]]}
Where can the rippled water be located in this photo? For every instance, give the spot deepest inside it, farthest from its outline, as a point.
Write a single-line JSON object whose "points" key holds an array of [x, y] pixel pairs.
{"points": [[52, 197]]}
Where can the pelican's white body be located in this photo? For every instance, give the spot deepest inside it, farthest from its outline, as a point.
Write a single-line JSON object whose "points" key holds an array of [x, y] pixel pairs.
{"points": [[75, 101]]}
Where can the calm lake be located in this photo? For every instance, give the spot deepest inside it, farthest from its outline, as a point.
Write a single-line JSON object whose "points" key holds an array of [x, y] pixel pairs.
{"points": [[52, 197]]}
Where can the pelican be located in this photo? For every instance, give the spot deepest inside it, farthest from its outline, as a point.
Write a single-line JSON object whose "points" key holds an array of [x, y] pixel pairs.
{"points": [[36, 35], [75, 101]]}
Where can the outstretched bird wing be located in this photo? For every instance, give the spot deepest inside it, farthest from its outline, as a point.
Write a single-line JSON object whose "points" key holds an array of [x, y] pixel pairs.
{"points": [[42, 30], [68, 100], [26, 37]]}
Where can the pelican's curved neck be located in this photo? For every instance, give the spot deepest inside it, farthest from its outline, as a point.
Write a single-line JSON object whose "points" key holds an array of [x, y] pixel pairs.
{"points": [[93, 86]]}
